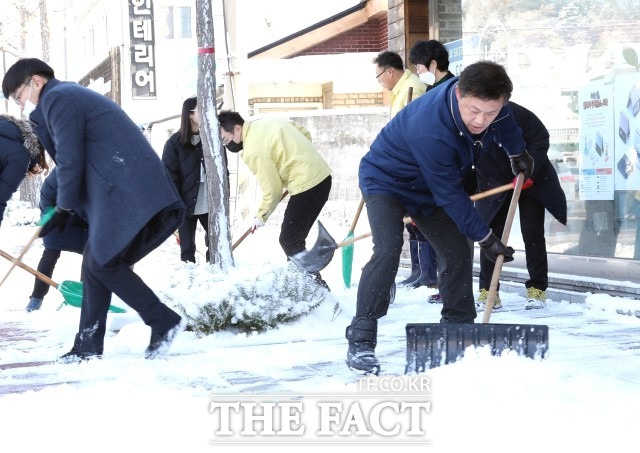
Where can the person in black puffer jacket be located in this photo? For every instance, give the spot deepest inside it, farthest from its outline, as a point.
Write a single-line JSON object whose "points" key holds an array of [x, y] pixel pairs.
{"points": [[183, 158]]}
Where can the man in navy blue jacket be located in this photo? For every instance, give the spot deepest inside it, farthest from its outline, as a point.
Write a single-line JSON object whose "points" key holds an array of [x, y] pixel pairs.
{"points": [[416, 165], [107, 168]]}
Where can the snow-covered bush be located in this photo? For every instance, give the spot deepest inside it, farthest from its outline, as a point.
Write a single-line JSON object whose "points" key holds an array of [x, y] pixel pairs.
{"points": [[245, 299], [20, 213]]}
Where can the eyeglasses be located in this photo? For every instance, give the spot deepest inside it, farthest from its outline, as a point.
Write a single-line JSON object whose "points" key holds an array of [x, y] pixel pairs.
{"points": [[19, 95], [381, 72]]}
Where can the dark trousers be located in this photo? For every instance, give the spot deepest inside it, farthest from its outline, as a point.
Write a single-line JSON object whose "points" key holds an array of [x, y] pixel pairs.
{"points": [[117, 277], [454, 253], [187, 232], [46, 266], [535, 246], [302, 211]]}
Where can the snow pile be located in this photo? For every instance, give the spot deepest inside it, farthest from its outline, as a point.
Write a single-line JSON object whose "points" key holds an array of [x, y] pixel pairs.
{"points": [[249, 299]]}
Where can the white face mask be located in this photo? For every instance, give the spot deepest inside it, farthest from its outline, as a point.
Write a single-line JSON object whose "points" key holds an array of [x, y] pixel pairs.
{"points": [[29, 106], [428, 78]]}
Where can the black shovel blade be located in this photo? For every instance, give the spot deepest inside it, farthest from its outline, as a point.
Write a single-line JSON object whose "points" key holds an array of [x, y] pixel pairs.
{"points": [[433, 345], [320, 255]]}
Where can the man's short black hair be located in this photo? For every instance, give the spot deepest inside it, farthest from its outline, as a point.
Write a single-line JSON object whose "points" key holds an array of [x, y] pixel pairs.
{"points": [[389, 59], [485, 80], [228, 119], [21, 71]]}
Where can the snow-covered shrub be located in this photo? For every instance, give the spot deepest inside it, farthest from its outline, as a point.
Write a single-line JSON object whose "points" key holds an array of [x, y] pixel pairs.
{"points": [[244, 299], [20, 213]]}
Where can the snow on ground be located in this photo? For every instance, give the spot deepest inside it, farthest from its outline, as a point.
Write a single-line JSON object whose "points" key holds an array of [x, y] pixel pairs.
{"points": [[583, 397]]}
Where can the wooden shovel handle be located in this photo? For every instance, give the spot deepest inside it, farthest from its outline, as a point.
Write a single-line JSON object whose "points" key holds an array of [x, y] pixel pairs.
{"points": [[18, 260], [352, 240], [357, 216], [495, 277], [488, 193], [478, 196], [32, 271]]}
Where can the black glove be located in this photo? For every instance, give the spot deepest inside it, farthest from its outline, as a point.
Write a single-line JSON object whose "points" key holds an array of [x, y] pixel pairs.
{"points": [[492, 247], [522, 162], [59, 220]]}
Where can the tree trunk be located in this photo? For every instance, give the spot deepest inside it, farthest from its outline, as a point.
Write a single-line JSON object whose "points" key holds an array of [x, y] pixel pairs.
{"points": [[30, 186], [44, 31], [214, 155]]}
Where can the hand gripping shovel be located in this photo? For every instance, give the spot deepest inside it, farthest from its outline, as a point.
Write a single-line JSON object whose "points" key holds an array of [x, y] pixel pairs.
{"points": [[248, 232], [71, 291], [347, 250], [432, 345]]}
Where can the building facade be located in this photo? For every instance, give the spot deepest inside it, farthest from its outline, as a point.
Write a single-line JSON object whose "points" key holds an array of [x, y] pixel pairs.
{"points": [[575, 64]]}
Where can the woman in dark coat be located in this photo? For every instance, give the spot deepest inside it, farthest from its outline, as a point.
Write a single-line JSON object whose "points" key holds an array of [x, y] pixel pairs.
{"points": [[493, 169], [20, 152], [72, 239], [107, 168], [183, 158]]}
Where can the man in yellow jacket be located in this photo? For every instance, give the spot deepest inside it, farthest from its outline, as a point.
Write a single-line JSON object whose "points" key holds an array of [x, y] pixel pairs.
{"points": [[281, 156], [391, 75]]}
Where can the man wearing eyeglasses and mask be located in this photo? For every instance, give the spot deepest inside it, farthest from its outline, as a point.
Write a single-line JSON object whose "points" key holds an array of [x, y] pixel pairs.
{"points": [[107, 168], [281, 156], [416, 165]]}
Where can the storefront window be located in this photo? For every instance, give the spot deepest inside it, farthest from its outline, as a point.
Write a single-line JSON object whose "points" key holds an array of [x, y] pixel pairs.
{"points": [[575, 65]]}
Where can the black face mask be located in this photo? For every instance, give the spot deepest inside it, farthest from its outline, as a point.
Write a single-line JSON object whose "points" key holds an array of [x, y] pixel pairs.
{"points": [[234, 147]]}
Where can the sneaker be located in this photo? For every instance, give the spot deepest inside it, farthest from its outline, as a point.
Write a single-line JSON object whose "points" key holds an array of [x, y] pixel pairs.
{"points": [[482, 300], [161, 341], [75, 356], [536, 298], [34, 304], [434, 299]]}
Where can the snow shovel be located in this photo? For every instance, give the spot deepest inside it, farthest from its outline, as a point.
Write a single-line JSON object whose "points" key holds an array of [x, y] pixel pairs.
{"points": [[70, 290], [248, 232], [432, 345], [322, 252], [347, 250]]}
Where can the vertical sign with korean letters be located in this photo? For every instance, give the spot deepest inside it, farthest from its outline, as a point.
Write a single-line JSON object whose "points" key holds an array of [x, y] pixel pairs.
{"points": [[143, 68]]}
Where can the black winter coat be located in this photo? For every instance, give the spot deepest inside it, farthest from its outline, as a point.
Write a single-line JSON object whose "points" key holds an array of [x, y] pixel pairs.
{"points": [[74, 236], [19, 148], [493, 169], [107, 168], [184, 165]]}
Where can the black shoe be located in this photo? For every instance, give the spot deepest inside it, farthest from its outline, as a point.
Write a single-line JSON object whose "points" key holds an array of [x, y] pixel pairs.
{"points": [[364, 362], [361, 355], [75, 356], [161, 340]]}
